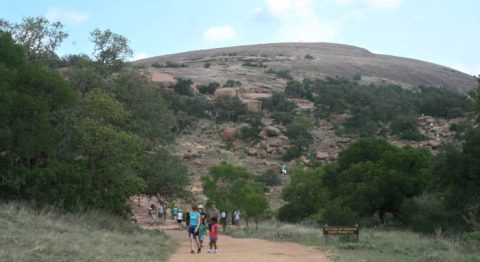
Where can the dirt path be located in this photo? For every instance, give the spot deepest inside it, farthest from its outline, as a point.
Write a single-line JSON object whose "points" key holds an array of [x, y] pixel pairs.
{"points": [[233, 249]]}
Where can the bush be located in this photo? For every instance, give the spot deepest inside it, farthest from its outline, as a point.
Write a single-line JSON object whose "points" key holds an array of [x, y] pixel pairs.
{"points": [[308, 57], [209, 89], [251, 64], [169, 64], [336, 214], [282, 73], [206, 65], [232, 83], [406, 127], [294, 89], [269, 178], [229, 108], [425, 214], [183, 87]]}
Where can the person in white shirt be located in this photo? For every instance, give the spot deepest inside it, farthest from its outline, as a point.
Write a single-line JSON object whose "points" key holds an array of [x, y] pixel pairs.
{"points": [[180, 219]]}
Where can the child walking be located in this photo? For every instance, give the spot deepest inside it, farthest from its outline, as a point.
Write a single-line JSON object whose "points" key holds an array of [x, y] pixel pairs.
{"points": [[213, 235]]}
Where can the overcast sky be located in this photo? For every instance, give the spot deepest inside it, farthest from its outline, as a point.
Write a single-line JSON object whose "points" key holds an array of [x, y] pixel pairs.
{"points": [[445, 32]]}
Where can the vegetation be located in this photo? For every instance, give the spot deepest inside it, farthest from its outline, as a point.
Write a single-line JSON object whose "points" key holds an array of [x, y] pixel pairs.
{"points": [[233, 189], [183, 87], [251, 64], [374, 108], [282, 73], [110, 49], [308, 57], [81, 143], [209, 88], [39, 38], [169, 64], [372, 177], [90, 236], [376, 244], [232, 83]]}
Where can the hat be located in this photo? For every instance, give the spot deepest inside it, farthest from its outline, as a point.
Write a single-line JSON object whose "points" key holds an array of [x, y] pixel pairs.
{"points": [[200, 206]]}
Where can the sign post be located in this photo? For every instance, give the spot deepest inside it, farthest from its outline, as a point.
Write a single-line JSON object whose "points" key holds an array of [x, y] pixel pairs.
{"points": [[341, 230]]}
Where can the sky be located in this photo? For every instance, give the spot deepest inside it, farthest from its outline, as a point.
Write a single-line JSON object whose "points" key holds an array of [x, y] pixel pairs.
{"points": [[439, 31]]}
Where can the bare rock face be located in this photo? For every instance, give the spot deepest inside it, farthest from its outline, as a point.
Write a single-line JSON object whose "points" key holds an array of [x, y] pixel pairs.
{"points": [[320, 155], [227, 91], [229, 133]]}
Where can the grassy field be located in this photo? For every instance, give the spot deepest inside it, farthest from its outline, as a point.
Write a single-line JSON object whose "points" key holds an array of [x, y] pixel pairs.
{"points": [[28, 235], [375, 244]]}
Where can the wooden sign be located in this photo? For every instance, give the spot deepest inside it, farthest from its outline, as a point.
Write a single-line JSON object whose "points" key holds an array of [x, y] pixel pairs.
{"points": [[341, 230]]}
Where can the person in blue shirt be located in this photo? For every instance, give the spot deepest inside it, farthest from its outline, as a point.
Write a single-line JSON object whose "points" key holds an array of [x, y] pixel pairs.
{"points": [[193, 229]]}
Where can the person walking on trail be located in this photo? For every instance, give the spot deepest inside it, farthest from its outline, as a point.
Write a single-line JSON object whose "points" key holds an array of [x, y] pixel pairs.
{"points": [[174, 213], [223, 220], [203, 222], [165, 209], [159, 210], [213, 236], [180, 219], [151, 214], [194, 228], [211, 213], [236, 216]]}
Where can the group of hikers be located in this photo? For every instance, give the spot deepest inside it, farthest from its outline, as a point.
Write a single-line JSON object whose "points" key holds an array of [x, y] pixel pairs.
{"points": [[197, 221]]}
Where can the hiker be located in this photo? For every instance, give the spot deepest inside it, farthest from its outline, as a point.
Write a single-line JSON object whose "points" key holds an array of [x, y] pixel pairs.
{"points": [[211, 213], [151, 214], [174, 212], [213, 236], [236, 215], [223, 220], [160, 210], [180, 219], [203, 222], [165, 209], [194, 228]]}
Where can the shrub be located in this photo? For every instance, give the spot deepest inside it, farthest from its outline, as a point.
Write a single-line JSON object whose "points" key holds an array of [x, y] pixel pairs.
{"points": [[183, 87], [282, 73], [206, 65], [269, 178], [425, 214], [232, 83], [209, 89], [294, 89], [251, 64], [229, 108], [336, 214], [308, 57], [406, 127]]}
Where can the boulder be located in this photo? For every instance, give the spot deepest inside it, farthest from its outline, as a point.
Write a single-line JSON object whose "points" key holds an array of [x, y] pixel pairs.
{"points": [[252, 152], [229, 133], [272, 131], [227, 91], [321, 155]]}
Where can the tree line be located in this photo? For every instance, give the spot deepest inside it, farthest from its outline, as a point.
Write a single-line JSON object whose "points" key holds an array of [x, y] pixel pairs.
{"points": [[81, 133]]}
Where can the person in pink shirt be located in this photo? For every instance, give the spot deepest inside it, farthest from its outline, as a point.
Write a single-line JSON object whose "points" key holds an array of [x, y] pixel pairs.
{"points": [[214, 235]]}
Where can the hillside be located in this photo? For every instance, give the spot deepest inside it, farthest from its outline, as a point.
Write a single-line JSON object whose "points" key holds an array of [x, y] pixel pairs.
{"points": [[306, 60]]}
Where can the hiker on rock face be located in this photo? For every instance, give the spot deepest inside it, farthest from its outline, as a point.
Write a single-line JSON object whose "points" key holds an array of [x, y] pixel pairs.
{"points": [[211, 213], [194, 228]]}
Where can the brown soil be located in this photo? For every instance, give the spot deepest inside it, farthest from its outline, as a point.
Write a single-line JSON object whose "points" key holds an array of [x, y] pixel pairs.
{"points": [[230, 249]]}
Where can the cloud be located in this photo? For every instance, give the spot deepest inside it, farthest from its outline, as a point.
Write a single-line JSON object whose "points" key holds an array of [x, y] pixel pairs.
{"points": [[297, 21], [67, 16], [384, 3], [139, 55], [471, 70], [220, 33]]}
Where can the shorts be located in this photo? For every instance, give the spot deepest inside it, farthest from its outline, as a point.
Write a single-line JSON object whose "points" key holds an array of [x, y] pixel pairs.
{"points": [[179, 221], [192, 232], [213, 239]]}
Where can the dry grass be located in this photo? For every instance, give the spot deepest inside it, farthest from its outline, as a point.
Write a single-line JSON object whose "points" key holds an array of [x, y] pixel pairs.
{"points": [[29, 235], [374, 245]]}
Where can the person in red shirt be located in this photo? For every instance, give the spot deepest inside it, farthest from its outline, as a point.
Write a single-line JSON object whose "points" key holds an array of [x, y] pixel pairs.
{"points": [[214, 235]]}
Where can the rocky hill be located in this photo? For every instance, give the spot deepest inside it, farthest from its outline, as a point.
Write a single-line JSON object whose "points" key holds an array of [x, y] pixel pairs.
{"points": [[312, 60]]}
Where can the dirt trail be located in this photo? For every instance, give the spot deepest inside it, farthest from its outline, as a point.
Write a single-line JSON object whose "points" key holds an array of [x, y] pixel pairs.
{"points": [[232, 249]]}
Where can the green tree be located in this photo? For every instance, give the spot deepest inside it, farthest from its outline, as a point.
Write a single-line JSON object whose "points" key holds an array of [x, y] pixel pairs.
{"points": [[183, 87], [110, 49], [229, 108], [38, 36], [32, 101], [228, 185], [166, 176], [255, 205]]}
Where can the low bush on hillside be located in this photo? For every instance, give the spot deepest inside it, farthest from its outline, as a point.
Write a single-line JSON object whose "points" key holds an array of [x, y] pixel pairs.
{"points": [[209, 88], [282, 73], [251, 64], [169, 64], [308, 57], [232, 83]]}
